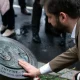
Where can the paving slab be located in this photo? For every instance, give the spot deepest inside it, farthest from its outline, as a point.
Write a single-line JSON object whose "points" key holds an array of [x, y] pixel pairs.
{"points": [[65, 73]]}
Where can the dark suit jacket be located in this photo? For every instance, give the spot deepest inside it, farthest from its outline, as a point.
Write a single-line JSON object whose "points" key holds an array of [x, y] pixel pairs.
{"points": [[70, 56]]}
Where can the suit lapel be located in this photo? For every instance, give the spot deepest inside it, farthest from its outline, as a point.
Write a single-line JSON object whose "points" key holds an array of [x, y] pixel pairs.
{"points": [[77, 32]]}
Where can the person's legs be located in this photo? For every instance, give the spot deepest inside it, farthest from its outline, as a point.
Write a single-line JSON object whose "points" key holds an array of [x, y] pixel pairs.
{"points": [[22, 4], [10, 17], [4, 19], [4, 22], [10, 20], [37, 10]]}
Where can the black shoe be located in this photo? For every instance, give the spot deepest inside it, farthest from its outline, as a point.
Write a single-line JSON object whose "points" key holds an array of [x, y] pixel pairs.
{"points": [[25, 12], [36, 39]]}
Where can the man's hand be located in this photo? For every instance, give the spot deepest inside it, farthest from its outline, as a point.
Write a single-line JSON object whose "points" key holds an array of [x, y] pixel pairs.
{"points": [[30, 70]]}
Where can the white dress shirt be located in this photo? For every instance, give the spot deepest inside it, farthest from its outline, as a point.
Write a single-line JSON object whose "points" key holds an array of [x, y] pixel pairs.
{"points": [[46, 68], [73, 33]]}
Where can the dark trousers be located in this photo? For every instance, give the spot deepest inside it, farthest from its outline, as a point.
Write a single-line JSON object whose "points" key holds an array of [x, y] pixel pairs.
{"points": [[8, 18], [22, 4], [37, 10]]}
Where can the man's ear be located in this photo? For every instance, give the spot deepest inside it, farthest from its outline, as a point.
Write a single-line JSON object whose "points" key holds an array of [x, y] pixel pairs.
{"points": [[62, 17]]}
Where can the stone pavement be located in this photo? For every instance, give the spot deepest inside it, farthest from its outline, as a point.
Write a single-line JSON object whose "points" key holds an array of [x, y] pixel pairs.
{"points": [[65, 73]]}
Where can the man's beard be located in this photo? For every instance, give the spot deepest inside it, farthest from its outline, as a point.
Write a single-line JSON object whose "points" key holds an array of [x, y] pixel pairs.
{"points": [[60, 27]]}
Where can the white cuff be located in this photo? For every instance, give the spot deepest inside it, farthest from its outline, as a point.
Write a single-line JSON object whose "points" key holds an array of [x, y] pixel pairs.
{"points": [[78, 77], [45, 69]]}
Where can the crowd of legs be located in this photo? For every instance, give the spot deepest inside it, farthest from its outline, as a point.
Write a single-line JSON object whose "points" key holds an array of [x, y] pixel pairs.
{"points": [[8, 21]]}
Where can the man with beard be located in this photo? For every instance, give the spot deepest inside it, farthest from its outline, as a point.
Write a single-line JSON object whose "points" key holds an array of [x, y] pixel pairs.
{"points": [[64, 16], [36, 17]]}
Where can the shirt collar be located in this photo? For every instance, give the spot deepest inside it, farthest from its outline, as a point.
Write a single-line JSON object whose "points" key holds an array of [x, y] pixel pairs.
{"points": [[73, 32]]}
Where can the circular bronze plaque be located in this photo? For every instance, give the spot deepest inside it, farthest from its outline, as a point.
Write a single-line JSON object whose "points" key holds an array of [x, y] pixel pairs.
{"points": [[10, 52]]}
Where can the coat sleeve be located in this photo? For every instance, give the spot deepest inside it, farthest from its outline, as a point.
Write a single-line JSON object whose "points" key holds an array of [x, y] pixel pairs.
{"points": [[64, 60]]}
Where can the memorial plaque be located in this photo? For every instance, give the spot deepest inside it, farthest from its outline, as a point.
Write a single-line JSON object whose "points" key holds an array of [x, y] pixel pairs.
{"points": [[10, 52]]}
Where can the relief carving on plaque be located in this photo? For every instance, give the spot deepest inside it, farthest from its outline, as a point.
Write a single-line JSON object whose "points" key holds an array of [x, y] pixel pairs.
{"points": [[10, 54]]}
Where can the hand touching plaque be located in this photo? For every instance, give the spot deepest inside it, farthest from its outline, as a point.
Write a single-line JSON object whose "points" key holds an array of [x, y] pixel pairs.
{"points": [[10, 52]]}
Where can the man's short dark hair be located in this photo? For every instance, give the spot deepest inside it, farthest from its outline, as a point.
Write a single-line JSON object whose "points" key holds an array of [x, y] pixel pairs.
{"points": [[70, 7]]}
